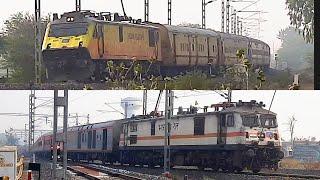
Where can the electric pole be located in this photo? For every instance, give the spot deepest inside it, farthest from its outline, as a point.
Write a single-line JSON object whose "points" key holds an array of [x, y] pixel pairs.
{"points": [[32, 98], [145, 99], [228, 16], [60, 102], [232, 28], [222, 16], [235, 21], [78, 5], [203, 14], [146, 10], [169, 11], [168, 115], [229, 96], [77, 119], [38, 43], [238, 26]]}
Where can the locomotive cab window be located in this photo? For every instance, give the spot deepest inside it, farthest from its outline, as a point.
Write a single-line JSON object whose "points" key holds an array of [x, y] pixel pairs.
{"points": [[133, 127], [250, 120], [68, 29], [199, 123], [133, 139], [230, 120]]}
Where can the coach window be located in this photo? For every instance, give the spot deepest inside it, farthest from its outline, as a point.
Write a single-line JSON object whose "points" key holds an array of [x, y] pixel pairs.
{"points": [[152, 40], [153, 128], [199, 123], [133, 139], [133, 127], [230, 120], [192, 47], [120, 33], [212, 48]]}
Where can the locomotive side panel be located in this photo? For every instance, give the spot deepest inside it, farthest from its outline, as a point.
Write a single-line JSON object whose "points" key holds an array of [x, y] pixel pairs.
{"points": [[184, 131]]}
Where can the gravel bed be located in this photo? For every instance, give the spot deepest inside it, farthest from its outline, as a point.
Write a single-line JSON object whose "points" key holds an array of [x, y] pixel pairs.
{"points": [[179, 174]]}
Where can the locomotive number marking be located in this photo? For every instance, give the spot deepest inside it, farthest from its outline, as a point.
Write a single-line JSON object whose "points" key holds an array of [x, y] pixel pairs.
{"points": [[135, 36], [174, 125]]}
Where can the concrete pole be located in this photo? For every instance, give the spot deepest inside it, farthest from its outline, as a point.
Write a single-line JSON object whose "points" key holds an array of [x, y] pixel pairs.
{"points": [[234, 21], [78, 5], [126, 104], [32, 98], [228, 16], [38, 43], [146, 10], [54, 138], [238, 25], [65, 134], [169, 11], [231, 22], [168, 114], [222, 16], [229, 96], [77, 119], [203, 14], [145, 99]]}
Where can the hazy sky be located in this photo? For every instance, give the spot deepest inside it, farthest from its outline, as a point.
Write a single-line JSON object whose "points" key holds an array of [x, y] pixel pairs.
{"points": [[183, 11], [302, 104]]}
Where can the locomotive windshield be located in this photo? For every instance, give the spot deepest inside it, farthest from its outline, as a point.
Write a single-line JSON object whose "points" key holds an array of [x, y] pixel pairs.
{"points": [[268, 121], [68, 29], [250, 120]]}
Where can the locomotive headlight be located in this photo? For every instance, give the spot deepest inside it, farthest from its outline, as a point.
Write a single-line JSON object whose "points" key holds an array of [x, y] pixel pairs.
{"points": [[80, 44], [70, 19], [250, 153]]}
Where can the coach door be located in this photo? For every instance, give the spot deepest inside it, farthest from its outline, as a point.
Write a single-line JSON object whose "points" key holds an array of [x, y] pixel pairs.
{"points": [[222, 130], [94, 139], [105, 139], [89, 139], [79, 139]]}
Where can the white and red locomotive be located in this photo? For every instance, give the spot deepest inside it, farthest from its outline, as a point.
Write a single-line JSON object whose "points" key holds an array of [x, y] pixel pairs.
{"points": [[233, 137]]}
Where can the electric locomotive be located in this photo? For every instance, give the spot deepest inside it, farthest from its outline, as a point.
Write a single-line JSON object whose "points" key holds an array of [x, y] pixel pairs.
{"points": [[234, 137], [82, 45]]}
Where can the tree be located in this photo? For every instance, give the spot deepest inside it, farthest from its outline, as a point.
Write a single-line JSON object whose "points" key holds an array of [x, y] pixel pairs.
{"points": [[12, 140], [301, 14], [18, 46], [291, 125], [294, 49]]}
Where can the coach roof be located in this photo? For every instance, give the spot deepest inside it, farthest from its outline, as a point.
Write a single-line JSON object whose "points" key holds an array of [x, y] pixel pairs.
{"points": [[191, 30]]}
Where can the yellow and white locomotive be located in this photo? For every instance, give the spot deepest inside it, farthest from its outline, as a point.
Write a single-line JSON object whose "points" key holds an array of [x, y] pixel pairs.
{"points": [[79, 45]]}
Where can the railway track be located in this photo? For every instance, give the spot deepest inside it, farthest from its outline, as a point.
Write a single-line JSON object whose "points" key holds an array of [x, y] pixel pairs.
{"points": [[282, 175], [97, 172], [194, 173]]}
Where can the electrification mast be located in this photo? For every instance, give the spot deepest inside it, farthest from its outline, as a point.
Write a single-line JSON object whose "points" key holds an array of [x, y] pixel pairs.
{"points": [[38, 42]]}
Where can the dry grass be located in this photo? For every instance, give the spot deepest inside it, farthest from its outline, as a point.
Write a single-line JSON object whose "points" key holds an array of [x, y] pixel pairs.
{"points": [[295, 164]]}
